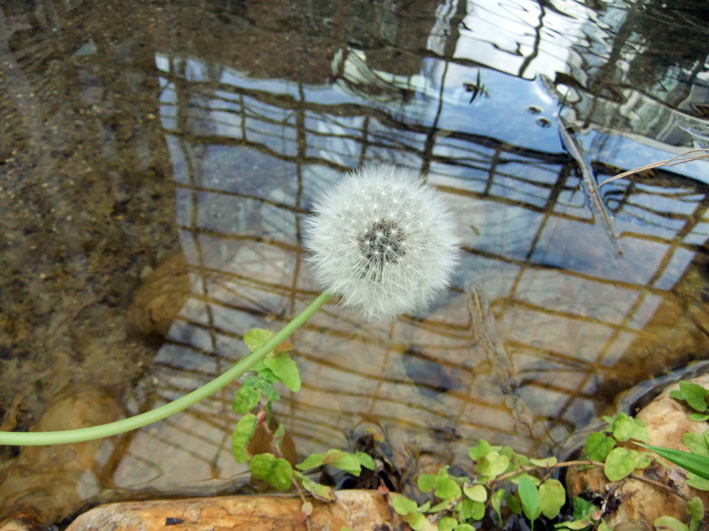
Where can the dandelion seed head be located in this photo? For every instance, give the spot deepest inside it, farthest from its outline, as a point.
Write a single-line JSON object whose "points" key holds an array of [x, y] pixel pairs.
{"points": [[383, 240]]}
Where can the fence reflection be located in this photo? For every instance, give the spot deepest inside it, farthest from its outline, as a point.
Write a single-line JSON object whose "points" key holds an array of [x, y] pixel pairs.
{"points": [[545, 322]]}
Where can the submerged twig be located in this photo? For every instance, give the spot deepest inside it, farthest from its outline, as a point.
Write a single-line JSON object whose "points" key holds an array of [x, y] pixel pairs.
{"points": [[574, 149], [674, 161]]}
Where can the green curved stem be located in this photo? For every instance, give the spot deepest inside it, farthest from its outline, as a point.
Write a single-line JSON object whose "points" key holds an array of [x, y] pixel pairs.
{"points": [[164, 411]]}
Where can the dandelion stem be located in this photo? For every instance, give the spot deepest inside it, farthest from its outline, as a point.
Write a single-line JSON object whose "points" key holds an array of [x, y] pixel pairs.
{"points": [[164, 411]]}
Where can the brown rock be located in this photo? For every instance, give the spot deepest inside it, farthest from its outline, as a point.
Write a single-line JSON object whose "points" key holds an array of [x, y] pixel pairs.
{"points": [[638, 502], [49, 483], [357, 509], [159, 300]]}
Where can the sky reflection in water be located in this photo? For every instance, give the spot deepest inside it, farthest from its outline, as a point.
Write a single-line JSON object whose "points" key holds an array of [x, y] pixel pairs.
{"points": [[553, 311]]}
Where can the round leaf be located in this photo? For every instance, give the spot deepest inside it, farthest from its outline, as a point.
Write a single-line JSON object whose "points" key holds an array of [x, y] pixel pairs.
{"points": [[552, 497], [276, 471], [286, 369], [257, 337], [402, 505], [476, 493], [493, 464], [245, 400], [619, 463]]}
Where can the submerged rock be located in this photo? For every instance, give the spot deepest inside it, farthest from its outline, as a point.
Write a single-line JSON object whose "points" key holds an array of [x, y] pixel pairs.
{"points": [[632, 501], [46, 484], [160, 298]]}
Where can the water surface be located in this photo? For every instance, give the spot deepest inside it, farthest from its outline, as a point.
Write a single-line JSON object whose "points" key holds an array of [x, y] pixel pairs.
{"points": [[158, 161]]}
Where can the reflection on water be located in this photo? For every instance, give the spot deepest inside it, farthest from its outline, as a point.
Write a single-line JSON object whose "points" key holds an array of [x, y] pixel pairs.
{"points": [[230, 119]]}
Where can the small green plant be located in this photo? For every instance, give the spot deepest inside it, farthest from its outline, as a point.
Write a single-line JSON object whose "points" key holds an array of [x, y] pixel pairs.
{"points": [[257, 393], [507, 483], [504, 483], [696, 461]]}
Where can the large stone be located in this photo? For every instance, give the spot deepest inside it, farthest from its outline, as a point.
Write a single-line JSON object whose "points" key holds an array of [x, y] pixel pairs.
{"points": [[633, 501], [357, 509], [46, 484]]}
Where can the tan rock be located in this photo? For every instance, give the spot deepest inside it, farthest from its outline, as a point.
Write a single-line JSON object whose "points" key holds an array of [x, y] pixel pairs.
{"points": [[160, 298], [357, 509], [46, 484], [636, 501]]}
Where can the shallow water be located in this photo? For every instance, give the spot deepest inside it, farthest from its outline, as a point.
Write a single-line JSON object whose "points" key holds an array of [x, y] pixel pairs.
{"points": [[159, 159]]}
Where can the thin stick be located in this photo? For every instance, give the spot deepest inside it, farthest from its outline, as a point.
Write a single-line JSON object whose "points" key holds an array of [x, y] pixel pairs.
{"points": [[674, 161]]}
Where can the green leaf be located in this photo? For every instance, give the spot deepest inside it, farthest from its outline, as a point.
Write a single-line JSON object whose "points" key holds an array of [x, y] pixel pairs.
{"points": [[574, 525], [496, 503], [319, 492], [545, 463], [464, 527], [245, 400], [442, 506], [482, 449], [417, 521], [516, 479], [619, 464], [312, 461], [285, 368], [583, 509], [447, 488], [446, 523], [521, 460], [513, 504], [256, 338], [598, 446], [667, 523], [264, 386], [695, 508], [699, 417], [697, 482], [603, 526], [365, 460], [696, 443], [697, 464], [476, 493], [529, 496], [695, 395], [492, 464], [243, 431], [344, 461], [676, 394], [274, 470], [552, 497], [625, 428], [427, 482], [403, 505]]}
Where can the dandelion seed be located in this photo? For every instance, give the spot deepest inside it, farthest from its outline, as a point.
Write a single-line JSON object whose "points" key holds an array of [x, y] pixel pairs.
{"points": [[388, 256]]}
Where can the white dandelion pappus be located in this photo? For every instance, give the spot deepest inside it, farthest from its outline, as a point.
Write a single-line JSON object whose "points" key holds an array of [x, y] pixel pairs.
{"points": [[383, 240]]}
